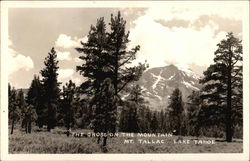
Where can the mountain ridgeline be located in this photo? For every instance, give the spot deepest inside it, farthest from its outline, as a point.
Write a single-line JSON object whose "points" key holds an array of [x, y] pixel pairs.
{"points": [[158, 84]]}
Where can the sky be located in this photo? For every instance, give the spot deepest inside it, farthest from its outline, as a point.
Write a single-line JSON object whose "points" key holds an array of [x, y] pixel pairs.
{"points": [[181, 35]]}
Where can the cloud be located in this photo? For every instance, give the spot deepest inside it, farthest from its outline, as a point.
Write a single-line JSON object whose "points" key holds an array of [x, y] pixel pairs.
{"points": [[77, 60], [84, 39], [175, 38], [65, 74], [18, 61], [66, 42], [77, 80], [64, 55]]}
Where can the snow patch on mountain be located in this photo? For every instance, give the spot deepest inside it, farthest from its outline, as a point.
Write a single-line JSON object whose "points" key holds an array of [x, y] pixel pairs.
{"points": [[158, 84], [188, 85], [170, 78], [158, 78], [189, 72]]}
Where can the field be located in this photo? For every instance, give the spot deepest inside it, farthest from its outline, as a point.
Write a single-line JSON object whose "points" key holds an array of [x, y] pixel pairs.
{"points": [[57, 142]]}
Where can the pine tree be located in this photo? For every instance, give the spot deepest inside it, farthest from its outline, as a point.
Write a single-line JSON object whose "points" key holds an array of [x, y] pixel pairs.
{"points": [[29, 116], [95, 67], [35, 98], [14, 111], [176, 111], [134, 104], [21, 106], [120, 57], [69, 98], [51, 88], [105, 56], [148, 118], [194, 106], [154, 123], [223, 82], [162, 121], [105, 110]]}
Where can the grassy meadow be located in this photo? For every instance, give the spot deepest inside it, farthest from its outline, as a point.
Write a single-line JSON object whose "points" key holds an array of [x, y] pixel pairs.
{"points": [[56, 142]]}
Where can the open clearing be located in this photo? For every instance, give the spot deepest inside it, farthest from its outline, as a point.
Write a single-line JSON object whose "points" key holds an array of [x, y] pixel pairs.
{"points": [[57, 142]]}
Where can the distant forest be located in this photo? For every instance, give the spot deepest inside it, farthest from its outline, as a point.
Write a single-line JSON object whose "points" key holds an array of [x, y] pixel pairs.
{"points": [[98, 103]]}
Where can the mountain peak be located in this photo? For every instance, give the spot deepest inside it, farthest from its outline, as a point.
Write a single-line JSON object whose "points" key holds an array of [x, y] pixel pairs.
{"points": [[158, 84]]}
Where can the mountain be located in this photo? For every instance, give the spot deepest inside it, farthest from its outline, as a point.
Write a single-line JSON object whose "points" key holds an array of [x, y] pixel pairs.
{"points": [[159, 83]]}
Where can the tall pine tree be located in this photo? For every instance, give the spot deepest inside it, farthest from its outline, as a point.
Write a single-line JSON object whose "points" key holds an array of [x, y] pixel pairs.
{"points": [[51, 87], [223, 83], [69, 98], [29, 116], [105, 110], [14, 111], [95, 57], [35, 98], [21, 105], [105, 55], [175, 111], [194, 106], [131, 120], [120, 56]]}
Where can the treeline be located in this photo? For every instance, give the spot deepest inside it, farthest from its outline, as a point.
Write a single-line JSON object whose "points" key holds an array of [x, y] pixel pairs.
{"points": [[110, 100]]}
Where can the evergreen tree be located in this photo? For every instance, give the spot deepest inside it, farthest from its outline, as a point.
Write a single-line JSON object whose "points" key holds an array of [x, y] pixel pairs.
{"points": [[105, 110], [176, 111], [51, 88], [154, 123], [69, 98], [162, 121], [21, 104], [106, 57], [132, 117], [95, 67], [35, 98], [14, 111], [222, 84], [29, 116], [134, 103], [194, 106], [148, 118], [120, 56]]}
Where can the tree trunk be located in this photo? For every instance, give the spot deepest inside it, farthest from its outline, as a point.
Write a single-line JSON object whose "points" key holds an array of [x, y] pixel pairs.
{"points": [[228, 115], [26, 127], [98, 139], [48, 128], [12, 126], [67, 129], [229, 131], [29, 126], [105, 140]]}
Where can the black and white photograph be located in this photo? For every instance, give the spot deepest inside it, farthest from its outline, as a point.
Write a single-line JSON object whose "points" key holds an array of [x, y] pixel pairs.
{"points": [[160, 78]]}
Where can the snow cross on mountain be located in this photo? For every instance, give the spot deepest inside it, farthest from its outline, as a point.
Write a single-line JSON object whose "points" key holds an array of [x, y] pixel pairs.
{"points": [[158, 83]]}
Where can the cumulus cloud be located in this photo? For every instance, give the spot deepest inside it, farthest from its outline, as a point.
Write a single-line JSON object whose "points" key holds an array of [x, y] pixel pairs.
{"points": [[18, 61], [180, 43], [65, 74], [65, 41], [64, 55]]}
